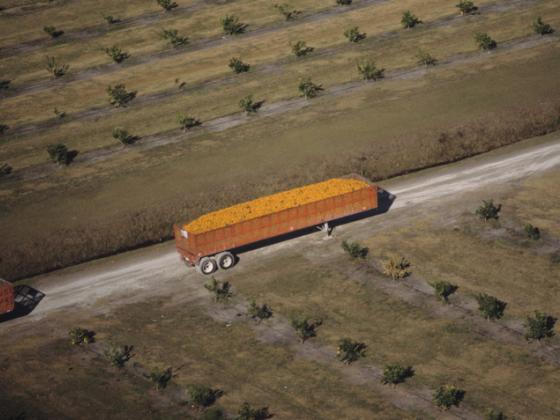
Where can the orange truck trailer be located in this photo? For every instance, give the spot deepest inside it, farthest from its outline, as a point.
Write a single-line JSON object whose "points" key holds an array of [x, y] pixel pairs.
{"points": [[7, 297], [210, 242]]}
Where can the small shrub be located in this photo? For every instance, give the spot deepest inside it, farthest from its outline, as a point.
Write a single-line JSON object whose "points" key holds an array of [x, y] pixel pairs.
{"points": [[308, 89], [443, 289], [395, 374], [167, 5], [466, 7], [300, 49], [119, 96], [490, 306], [238, 66], [57, 70], [354, 249], [123, 136], [60, 114], [488, 210], [81, 336], [259, 311], [304, 328], [542, 28], [187, 122], [232, 25], [202, 395], [246, 412], [425, 58], [344, 2], [173, 37], [349, 351], [52, 31], [5, 169], [116, 54], [484, 41], [222, 290], [532, 232], [111, 20], [60, 154], [4, 128], [447, 396], [539, 326], [396, 269], [248, 105], [118, 355], [408, 20], [5, 84], [369, 71], [161, 377], [354, 35], [494, 415], [287, 11]]}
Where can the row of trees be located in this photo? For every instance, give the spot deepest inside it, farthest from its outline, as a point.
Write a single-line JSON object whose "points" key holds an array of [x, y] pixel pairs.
{"points": [[347, 351], [199, 396], [445, 396], [537, 326], [231, 25]]}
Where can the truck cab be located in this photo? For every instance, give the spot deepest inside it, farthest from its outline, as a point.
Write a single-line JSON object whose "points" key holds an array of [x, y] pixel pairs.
{"points": [[7, 297]]}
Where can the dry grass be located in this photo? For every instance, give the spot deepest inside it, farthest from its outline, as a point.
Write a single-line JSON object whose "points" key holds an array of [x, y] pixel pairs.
{"points": [[74, 385], [496, 259], [440, 351], [211, 64], [232, 360]]}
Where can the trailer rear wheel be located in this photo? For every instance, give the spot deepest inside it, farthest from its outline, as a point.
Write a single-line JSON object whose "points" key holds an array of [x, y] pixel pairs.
{"points": [[225, 260], [207, 265]]}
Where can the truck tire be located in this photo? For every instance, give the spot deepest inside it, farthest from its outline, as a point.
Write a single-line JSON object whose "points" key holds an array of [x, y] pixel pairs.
{"points": [[207, 266], [226, 260]]}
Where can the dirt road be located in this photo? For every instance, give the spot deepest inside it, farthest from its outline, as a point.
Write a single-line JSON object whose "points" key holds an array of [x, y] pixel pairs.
{"points": [[156, 270]]}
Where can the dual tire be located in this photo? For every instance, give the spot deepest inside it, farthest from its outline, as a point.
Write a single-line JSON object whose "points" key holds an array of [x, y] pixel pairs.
{"points": [[209, 265]]}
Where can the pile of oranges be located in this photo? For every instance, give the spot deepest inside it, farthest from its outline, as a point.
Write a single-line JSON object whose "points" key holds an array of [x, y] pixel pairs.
{"points": [[274, 203]]}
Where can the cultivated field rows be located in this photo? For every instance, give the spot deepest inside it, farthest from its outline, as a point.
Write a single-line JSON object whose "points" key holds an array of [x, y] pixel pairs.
{"points": [[323, 34], [268, 82], [198, 19], [220, 124]]}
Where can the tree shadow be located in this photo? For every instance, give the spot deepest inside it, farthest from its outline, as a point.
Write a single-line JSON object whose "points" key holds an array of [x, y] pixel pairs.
{"points": [[257, 105], [71, 156], [26, 300]]}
